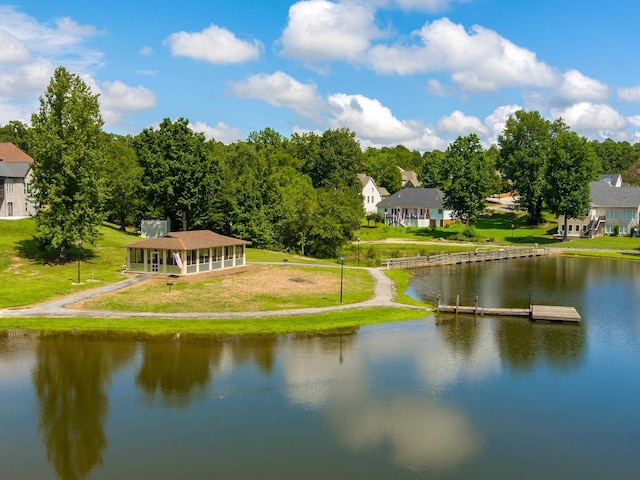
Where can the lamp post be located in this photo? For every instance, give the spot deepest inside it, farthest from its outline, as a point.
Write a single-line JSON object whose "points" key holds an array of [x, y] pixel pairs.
{"points": [[512, 234], [78, 243], [358, 239], [341, 275]]}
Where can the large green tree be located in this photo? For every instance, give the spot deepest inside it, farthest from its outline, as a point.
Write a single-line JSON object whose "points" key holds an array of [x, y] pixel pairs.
{"points": [[180, 178], [525, 145], [470, 178], [68, 150], [572, 165], [123, 179]]}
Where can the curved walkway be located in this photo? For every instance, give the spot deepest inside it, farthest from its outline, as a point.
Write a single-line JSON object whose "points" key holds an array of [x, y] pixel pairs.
{"points": [[383, 297]]}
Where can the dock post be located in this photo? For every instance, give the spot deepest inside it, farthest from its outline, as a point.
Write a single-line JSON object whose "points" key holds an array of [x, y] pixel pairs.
{"points": [[476, 309], [457, 303], [438, 305]]}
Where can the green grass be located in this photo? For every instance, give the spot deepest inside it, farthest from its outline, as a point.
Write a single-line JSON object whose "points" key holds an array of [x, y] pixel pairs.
{"points": [[28, 278], [213, 294], [402, 278], [245, 326], [257, 255]]}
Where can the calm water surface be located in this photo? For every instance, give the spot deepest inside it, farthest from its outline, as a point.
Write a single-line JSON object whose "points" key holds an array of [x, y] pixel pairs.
{"points": [[437, 398]]}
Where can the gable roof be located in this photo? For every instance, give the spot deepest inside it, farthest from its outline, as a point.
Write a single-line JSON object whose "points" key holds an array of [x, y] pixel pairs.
{"points": [[603, 194], [189, 241], [384, 192], [414, 197], [14, 170], [364, 179], [409, 178], [614, 179], [10, 153]]}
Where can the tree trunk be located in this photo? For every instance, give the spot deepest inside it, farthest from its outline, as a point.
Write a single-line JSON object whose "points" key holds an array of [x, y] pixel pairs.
{"points": [[184, 221], [63, 253]]}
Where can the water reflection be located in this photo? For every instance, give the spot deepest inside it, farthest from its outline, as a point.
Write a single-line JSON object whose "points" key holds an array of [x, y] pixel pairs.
{"points": [[71, 379], [175, 373]]}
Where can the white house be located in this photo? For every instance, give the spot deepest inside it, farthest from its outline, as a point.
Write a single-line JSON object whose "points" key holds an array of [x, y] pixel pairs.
{"points": [[15, 179], [610, 205], [371, 193], [416, 207]]}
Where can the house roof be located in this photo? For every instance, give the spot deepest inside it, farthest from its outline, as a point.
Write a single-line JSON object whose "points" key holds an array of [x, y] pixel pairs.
{"points": [[414, 197], [603, 194], [10, 153], [614, 179], [409, 178], [14, 170], [189, 241], [364, 179], [383, 192]]}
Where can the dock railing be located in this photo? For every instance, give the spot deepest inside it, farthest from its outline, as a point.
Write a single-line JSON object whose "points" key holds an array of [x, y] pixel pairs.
{"points": [[464, 257]]}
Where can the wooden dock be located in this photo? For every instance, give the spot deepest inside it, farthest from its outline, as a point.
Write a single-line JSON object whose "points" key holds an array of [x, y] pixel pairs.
{"points": [[464, 257], [548, 313]]}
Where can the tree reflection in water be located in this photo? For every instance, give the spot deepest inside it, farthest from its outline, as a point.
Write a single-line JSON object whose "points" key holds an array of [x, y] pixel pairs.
{"points": [[71, 379]]}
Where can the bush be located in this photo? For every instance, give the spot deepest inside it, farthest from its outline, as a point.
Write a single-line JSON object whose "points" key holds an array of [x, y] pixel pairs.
{"points": [[616, 230]]}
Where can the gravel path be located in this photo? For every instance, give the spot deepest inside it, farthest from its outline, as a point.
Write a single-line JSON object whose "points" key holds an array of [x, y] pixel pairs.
{"points": [[383, 297]]}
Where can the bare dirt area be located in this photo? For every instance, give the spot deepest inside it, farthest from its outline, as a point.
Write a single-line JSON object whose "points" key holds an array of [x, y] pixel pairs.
{"points": [[249, 288]]}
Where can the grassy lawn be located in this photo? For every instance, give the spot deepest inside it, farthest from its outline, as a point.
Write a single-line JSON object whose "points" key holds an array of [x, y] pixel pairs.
{"points": [[246, 326], [259, 288], [401, 278], [27, 277]]}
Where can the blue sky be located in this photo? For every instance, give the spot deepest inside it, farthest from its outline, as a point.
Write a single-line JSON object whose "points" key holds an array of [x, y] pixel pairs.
{"points": [[412, 72]]}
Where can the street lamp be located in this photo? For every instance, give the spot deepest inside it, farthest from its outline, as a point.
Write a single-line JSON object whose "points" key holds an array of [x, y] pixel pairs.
{"points": [[78, 243], [341, 275], [358, 239], [512, 234]]}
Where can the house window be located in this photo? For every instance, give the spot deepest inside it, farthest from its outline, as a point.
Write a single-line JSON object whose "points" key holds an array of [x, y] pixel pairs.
{"points": [[10, 209], [612, 214], [624, 229], [608, 229], [8, 185], [439, 211], [204, 255], [628, 215], [570, 228]]}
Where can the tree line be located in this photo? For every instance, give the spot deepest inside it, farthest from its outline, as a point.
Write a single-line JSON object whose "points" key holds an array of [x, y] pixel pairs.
{"points": [[297, 193]]}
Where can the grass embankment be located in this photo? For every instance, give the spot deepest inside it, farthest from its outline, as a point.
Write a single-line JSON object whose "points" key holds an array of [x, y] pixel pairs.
{"points": [[246, 326]]}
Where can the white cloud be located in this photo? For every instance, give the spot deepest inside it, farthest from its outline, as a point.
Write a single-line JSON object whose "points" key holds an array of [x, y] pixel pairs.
{"points": [[631, 94], [26, 80], [577, 87], [281, 90], [70, 26], [319, 30], [13, 50], [437, 88], [458, 124], [479, 60], [593, 119], [214, 45], [220, 133], [146, 51], [118, 99], [497, 121]]}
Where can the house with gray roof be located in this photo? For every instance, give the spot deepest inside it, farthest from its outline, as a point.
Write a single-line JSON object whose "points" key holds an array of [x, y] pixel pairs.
{"points": [[610, 206], [416, 207], [15, 179]]}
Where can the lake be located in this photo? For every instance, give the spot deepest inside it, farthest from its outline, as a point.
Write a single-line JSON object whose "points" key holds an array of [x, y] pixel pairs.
{"points": [[439, 398]]}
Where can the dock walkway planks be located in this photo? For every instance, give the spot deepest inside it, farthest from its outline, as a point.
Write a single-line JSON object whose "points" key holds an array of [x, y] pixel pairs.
{"points": [[555, 313], [549, 313]]}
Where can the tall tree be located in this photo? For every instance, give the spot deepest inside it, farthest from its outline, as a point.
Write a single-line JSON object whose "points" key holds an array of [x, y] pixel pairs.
{"points": [[433, 174], [572, 165], [123, 179], [383, 168], [524, 153], [180, 179], [67, 149], [470, 178]]}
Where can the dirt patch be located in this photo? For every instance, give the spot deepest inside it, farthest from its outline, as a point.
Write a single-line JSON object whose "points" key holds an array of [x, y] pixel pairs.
{"points": [[302, 280]]}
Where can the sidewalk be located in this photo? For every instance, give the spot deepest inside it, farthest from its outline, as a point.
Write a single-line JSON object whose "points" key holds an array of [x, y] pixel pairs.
{"points": [[383, 297]]}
